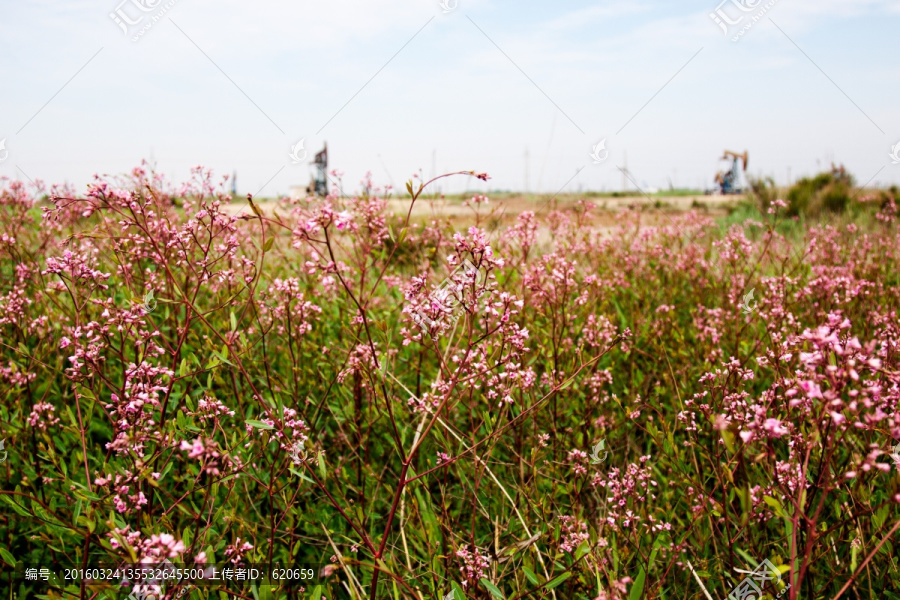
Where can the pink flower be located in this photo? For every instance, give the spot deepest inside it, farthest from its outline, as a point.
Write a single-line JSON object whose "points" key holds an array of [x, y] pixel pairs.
{"points": [[43, 416], [342, 220], [235, 552], [572, 533], [194, 449], [774, 428], [473, 565]]}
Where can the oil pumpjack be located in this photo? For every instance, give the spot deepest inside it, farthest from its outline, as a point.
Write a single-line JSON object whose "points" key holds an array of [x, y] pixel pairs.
{"points": [[729, 182], [319, 183]]}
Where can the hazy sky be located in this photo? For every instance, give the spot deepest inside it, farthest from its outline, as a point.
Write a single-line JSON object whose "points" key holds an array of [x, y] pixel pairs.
{"points": [[521, 90]]}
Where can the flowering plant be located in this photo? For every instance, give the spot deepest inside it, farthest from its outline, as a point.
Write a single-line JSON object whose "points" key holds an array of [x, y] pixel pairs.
{"points": [[299, 393]]}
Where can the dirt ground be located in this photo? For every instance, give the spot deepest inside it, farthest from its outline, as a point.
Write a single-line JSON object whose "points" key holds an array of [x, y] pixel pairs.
{"points": [[502, 210], [505, 209]]}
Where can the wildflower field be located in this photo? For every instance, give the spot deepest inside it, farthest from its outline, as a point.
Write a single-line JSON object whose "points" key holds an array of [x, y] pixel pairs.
{"points": [[407, 409]]}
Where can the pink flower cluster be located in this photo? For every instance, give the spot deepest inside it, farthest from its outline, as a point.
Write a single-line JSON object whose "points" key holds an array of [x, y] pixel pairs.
{"points": [[210, 409], [290, 431], [133, 412], [579, 460], [128, 496], [628, 492], [286, 309], [207, 453], [43, 416], [77, 270], [235, 552], [153, 550], [572, 533], [473, 565]]}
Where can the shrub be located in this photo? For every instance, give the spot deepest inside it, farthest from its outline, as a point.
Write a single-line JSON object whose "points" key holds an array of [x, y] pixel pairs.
{"points": [[830, 191]]}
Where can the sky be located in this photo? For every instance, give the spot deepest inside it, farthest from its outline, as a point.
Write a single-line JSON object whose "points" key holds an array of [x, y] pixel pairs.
{"points": [[525, 91]]}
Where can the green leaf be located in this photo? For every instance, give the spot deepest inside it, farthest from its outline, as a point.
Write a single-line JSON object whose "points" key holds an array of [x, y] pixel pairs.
{"points": [[622, 319], [493, 589], [776, 505], [321, 465], [7, 557], [259, 424], [301, 475], [637, 590], [233, 319], [582, 549], [529, 574], [656, 546], [71, 415], [750, 560], [458, 592], [16, 507], [84, 492], [265, 591], [165, 470], [268, 245], [558, 580], [728, 438], [428, 518]]}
